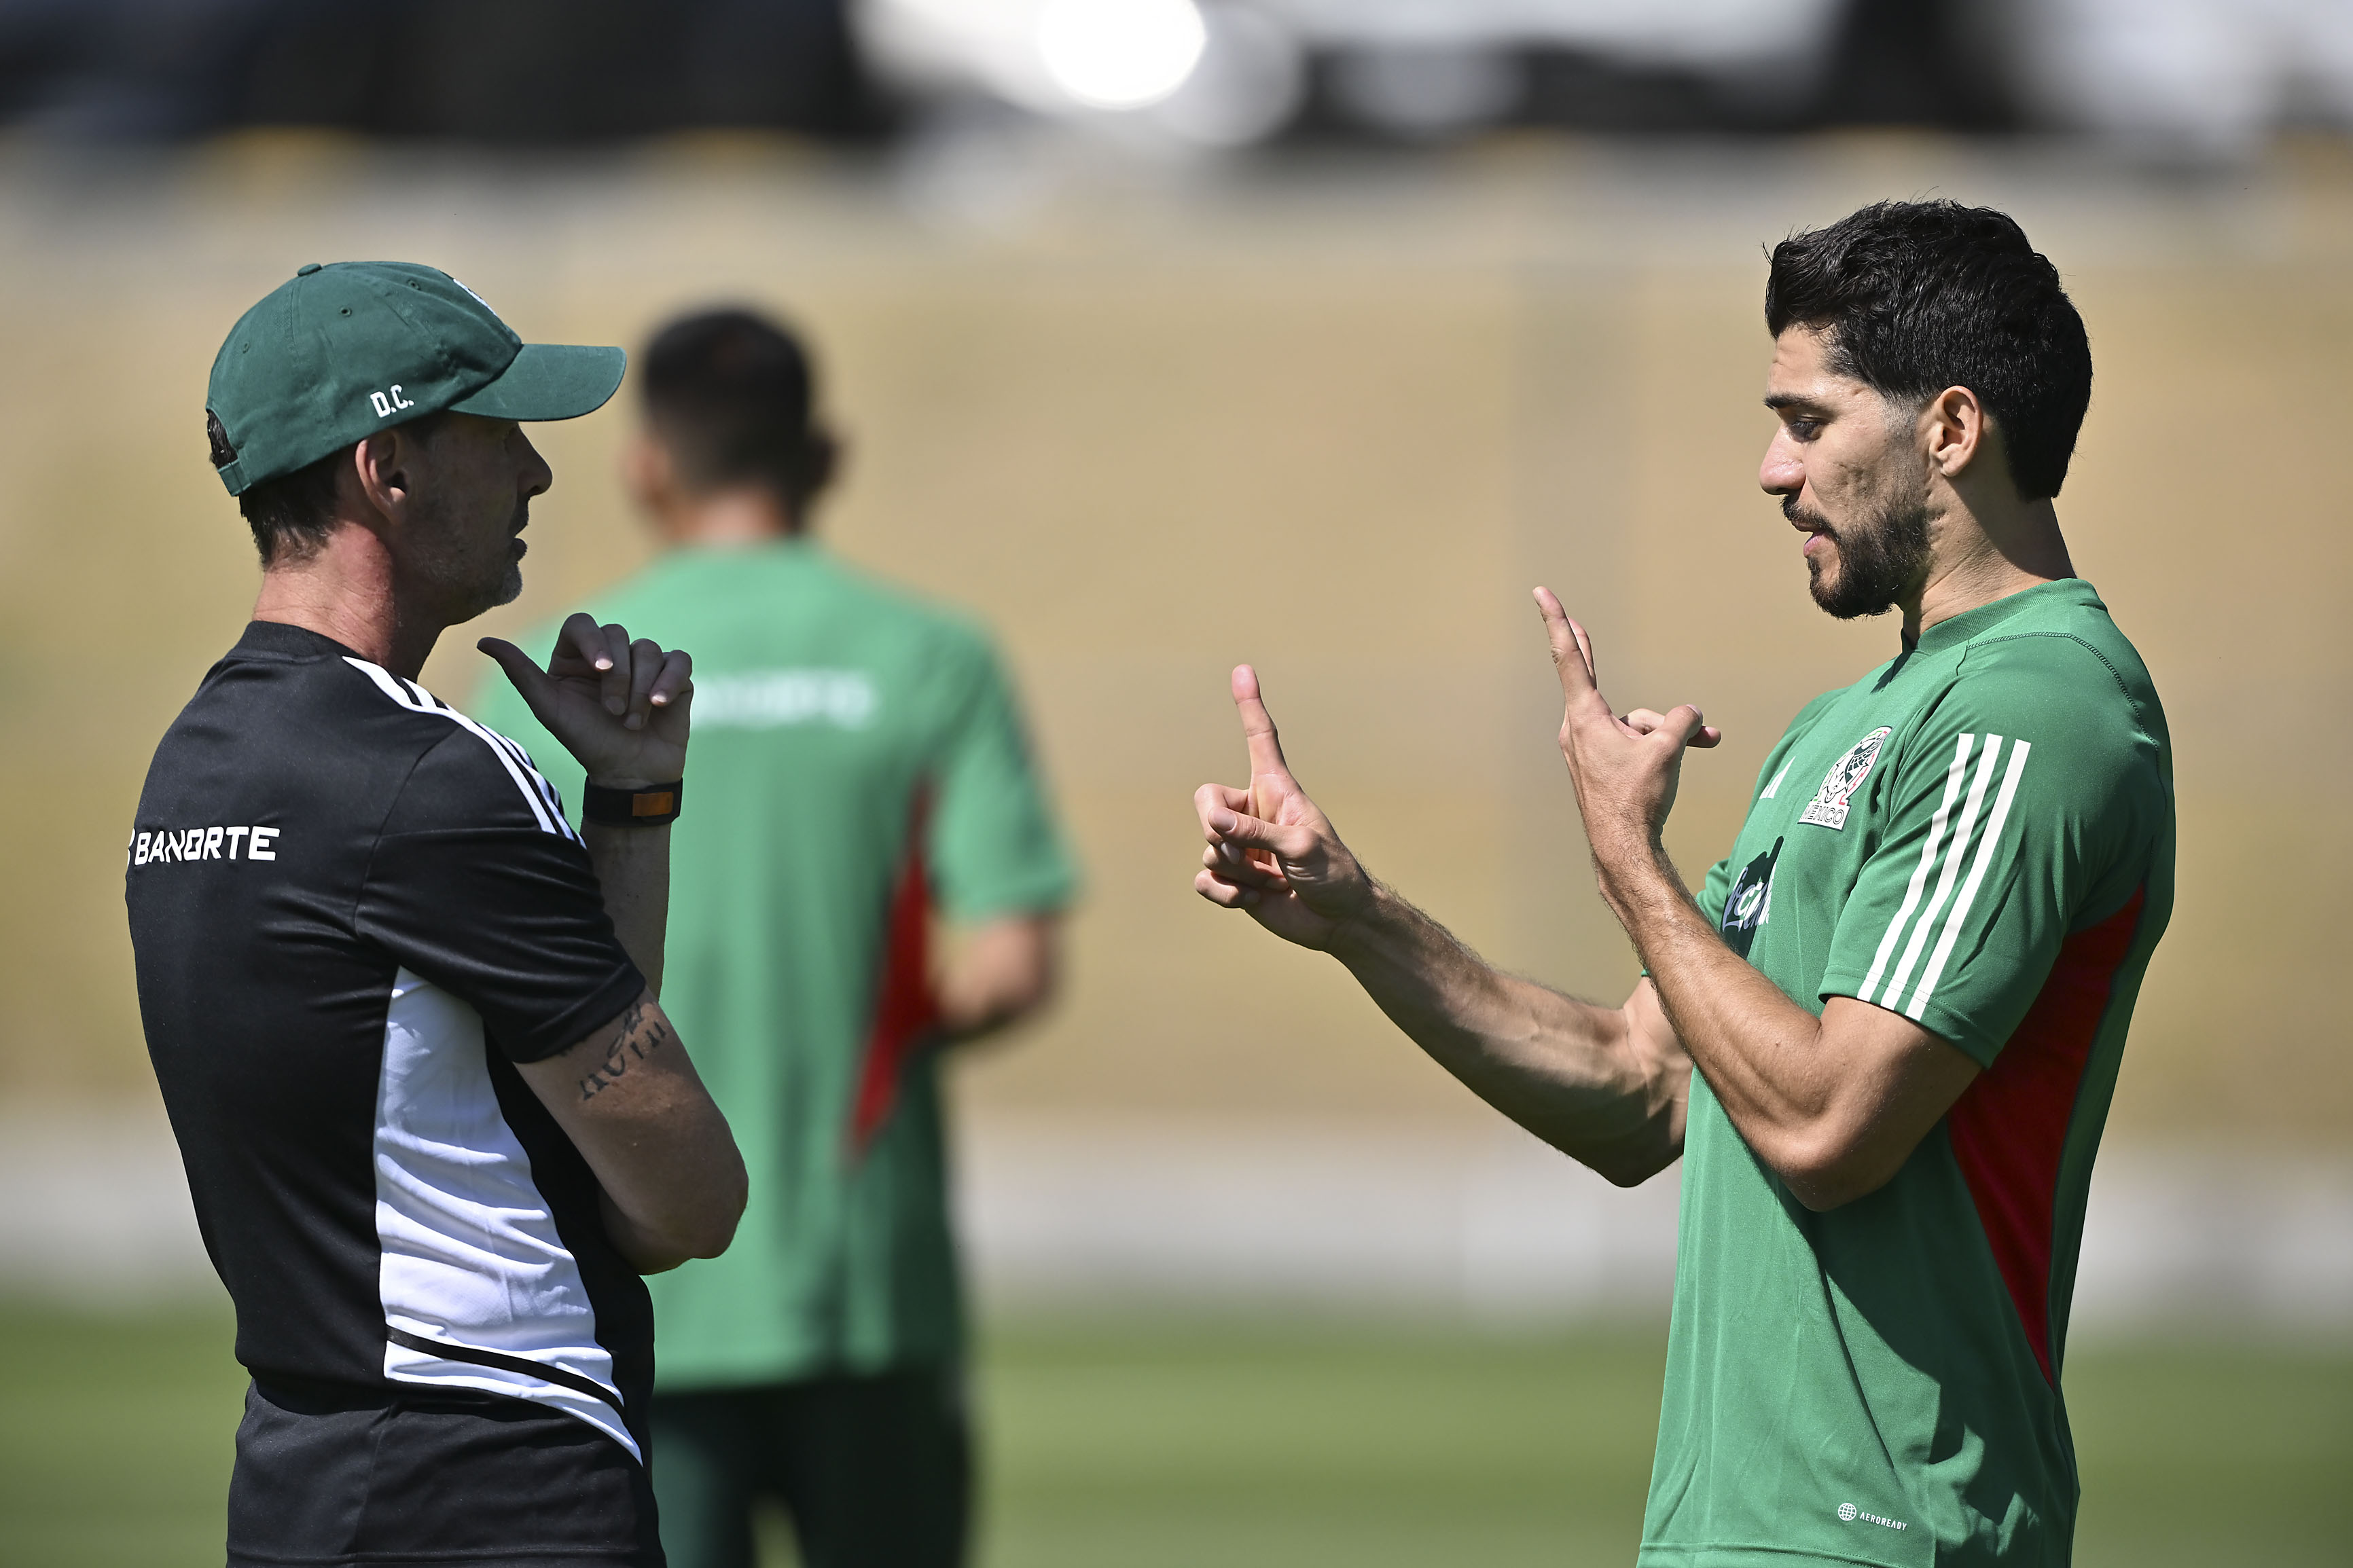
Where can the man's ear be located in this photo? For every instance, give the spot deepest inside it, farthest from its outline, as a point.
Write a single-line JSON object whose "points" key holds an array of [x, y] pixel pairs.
{"points": [[1957, 431], [380, 465]]}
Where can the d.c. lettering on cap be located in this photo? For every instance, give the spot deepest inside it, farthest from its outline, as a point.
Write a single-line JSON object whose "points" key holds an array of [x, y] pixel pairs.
{"points": [[343, 350]]}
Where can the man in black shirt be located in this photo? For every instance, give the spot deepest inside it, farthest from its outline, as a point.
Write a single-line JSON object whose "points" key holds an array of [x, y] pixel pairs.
{"points": [[405, 1019]]}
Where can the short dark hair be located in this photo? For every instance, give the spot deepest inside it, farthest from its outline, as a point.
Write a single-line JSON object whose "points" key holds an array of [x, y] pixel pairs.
{"points": [[1916, 297], [730, 394], [292, 514]]}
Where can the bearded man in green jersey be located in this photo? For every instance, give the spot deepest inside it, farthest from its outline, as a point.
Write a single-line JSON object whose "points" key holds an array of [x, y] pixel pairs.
{"points": [[860, 769], [1883, 1036]]}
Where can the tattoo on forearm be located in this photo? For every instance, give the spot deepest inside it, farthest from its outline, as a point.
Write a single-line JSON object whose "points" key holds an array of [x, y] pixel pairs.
{"points": [[641, 1036]]}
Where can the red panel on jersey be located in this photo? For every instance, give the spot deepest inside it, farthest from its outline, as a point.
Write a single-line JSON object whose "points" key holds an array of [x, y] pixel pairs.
{"points": [[2009, 1129], [905, 1011]]}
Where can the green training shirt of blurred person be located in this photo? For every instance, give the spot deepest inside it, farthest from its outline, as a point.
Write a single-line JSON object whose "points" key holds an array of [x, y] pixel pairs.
{"points": [[860, 766]]}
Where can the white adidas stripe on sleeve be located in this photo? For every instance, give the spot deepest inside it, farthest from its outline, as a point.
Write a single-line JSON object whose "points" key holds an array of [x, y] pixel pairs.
{"points": [[1953, 777], [1987, 843], [1989, 753], [537, 793], [547, 790]]}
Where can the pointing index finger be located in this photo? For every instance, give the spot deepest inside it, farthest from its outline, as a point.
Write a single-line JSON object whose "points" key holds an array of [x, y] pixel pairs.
{"points": [[1257, 725], [1572, 651]]}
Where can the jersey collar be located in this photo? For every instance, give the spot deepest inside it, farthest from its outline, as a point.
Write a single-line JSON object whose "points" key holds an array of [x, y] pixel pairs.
{"points": [[276, 639], [1975, 622]]}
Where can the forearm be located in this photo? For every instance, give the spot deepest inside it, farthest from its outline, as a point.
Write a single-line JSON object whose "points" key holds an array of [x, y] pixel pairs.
{"points": [[1833, 1105], [633, 868], [630, 1101], [997, 974], [685, 1203], [1586, 1078], [648, 1251], [1761, 1053]]}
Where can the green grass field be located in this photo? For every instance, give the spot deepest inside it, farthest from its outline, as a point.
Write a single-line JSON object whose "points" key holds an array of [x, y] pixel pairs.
{"points": [[1245, 1443]]}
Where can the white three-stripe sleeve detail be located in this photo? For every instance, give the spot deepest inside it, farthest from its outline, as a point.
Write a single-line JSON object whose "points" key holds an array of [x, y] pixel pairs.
{"points": [[1986, 843], [546, 790], [1954, 776], [1989, 753], [385, 681], [542, 801], [392, 687], [531, 770]]}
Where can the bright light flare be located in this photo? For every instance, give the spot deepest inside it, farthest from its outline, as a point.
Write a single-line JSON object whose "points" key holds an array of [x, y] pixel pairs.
{"points": [[1120, 54]]}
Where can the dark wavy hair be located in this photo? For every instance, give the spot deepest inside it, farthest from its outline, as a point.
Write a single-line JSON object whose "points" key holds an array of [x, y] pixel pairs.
{"points": [[1916, 297]]}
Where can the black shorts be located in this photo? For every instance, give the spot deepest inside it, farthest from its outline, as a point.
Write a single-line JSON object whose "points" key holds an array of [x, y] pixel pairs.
{"points": [[331, 1476], [874, 1472]]}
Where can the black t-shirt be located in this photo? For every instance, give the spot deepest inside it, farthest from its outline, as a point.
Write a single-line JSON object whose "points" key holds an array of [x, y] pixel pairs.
{"points": [[353, 909]]}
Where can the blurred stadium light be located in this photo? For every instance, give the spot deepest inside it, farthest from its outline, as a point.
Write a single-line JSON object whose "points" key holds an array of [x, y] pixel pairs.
{"points": [[2207, 75], [1045, 54], [1398, 68], [2200, 78]]}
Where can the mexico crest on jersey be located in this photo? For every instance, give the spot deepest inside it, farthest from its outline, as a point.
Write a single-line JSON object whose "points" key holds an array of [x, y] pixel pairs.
{"points": [[1828, 808]]}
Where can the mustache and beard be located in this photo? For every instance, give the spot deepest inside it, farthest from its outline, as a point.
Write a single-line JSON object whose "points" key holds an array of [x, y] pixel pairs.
{"points": [[1880, 558], [470, 572]]}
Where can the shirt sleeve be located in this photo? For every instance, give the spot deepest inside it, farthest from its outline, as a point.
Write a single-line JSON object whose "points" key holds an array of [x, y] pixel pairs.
{"points": [[2022, 809], [994, 850], [479, 886], [501, 707]]}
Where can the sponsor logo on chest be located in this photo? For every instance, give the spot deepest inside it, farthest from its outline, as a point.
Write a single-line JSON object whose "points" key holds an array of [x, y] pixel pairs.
{"points": [[780, 698], [1840, 785]]}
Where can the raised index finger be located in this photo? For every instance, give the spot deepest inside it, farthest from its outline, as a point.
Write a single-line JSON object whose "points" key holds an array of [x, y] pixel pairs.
{"points": [[1257, 725], [1572, 654]]}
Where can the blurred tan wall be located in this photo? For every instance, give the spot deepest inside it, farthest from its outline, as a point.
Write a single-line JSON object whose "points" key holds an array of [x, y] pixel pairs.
{"points": [[1334, 419]]}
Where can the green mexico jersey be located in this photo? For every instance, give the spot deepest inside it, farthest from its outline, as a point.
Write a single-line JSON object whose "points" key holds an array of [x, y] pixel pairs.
{"points": [[856, 759], [1978, 834]]}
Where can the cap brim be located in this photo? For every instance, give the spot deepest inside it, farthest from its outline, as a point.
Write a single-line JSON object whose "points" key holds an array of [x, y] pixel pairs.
{"points": [[550, 381]]}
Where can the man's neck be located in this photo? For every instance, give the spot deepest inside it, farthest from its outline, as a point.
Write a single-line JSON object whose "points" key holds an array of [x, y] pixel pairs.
{"points": [[345, 591], [1981, 555], [730, 519]]}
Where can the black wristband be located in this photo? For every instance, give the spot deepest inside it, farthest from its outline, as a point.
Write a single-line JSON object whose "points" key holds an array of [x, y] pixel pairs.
{"points": [[656, 805]]}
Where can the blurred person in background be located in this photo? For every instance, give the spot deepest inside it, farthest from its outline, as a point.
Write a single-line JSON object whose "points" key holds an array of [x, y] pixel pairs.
{"points": [[404, 1017], [860, 768], [1906, 990]]}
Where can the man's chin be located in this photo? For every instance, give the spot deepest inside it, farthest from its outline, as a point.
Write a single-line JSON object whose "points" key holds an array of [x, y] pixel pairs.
{"points": [[508, 588], [1831, 597]]}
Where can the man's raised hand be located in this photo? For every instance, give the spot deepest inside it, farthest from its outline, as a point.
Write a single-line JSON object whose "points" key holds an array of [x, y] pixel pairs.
{"points": [[1625, 768], [619, 705], [1271, 851]]}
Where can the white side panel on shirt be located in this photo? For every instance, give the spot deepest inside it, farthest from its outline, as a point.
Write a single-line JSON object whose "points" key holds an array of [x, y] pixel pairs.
{"points": [[471, 1253]]}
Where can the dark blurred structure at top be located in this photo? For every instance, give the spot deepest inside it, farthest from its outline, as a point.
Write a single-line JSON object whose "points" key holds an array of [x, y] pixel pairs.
{"points": [[515, 71], [2198, 75]]}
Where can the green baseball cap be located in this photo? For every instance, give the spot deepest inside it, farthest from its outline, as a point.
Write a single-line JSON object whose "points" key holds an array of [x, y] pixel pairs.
{"points": [[338, 352]]}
